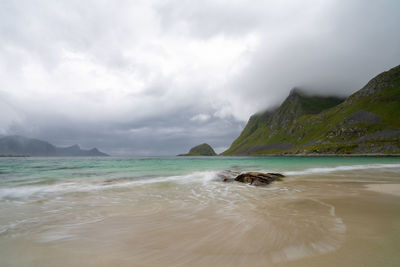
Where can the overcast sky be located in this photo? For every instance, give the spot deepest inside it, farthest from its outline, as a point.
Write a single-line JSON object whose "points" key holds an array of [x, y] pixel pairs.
{"points": [[158, 77]]}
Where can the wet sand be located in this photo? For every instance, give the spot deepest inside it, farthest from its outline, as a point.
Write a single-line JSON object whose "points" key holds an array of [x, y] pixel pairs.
{"points": [[393, 189], [335, 219]]}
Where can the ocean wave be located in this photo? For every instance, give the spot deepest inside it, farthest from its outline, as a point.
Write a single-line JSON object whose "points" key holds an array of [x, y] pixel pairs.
{"points": [[47, 189], [86, 186], [341, 168]]}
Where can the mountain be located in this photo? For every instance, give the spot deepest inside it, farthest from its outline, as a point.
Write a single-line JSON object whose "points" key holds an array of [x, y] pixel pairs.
{"points": [[16, 145], [366, 122], [201, 150], [75, 150]]}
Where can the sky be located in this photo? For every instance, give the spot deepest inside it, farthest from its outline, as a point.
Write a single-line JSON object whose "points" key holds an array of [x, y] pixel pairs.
{"points": [[158, 77]]}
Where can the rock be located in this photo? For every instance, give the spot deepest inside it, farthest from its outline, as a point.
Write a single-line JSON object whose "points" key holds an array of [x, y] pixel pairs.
{"points": [[228, 180], [362, 116], [258, 178], [227, 176], [279, 175]]}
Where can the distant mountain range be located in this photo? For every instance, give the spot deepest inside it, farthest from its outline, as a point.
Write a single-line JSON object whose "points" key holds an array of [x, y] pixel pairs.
{"points": [[16, 145], [367, 122]]}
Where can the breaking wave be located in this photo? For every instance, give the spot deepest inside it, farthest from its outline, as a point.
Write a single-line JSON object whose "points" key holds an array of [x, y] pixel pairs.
{"points": [[341, 168]]}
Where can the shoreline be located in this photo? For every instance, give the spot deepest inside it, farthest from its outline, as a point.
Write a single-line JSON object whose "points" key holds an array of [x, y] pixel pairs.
{"points": [[317, 155], [233, 156]]}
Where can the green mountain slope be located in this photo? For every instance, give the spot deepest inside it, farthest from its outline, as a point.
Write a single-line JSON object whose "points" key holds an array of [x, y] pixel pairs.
{"points": [[201, 150], [366, 122]]}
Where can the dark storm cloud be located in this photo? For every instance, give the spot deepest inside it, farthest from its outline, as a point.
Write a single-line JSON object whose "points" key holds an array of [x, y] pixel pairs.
{"points": [[166, 135], [157, 77]]}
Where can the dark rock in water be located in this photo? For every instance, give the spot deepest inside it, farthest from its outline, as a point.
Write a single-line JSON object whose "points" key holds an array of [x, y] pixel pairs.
{"points": [[253, 178], [227, 176], [258, 178], [279, 175]]}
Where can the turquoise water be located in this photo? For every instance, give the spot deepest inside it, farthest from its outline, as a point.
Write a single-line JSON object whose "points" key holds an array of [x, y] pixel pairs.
{"points": [[30, 172], [28, 177]]}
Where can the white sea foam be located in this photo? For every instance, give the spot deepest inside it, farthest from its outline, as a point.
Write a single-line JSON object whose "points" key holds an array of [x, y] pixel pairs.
{"points": [[204, 177], [84, 186], [342, 168]]}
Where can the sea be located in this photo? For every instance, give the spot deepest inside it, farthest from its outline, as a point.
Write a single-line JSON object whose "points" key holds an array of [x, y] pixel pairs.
{"points": [[176, 211]]}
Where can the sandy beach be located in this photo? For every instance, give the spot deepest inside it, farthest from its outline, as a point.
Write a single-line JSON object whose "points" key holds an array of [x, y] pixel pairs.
{"points": [[393, 189], [342, 216]]}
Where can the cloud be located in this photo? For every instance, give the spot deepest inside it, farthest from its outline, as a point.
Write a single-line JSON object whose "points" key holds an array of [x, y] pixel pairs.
{"points": [[157, 77], [200, 117]]}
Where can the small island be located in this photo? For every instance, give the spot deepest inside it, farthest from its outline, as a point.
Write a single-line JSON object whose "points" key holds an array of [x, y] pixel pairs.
{"points": [[201, 150]]}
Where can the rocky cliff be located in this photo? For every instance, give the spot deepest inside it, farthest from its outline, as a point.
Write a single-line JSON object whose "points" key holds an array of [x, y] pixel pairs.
{"points": [[366, 122]]}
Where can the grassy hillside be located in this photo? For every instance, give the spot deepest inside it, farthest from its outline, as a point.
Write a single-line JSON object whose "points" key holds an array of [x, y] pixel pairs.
{"points": [[201, 150], [367, 122]]}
